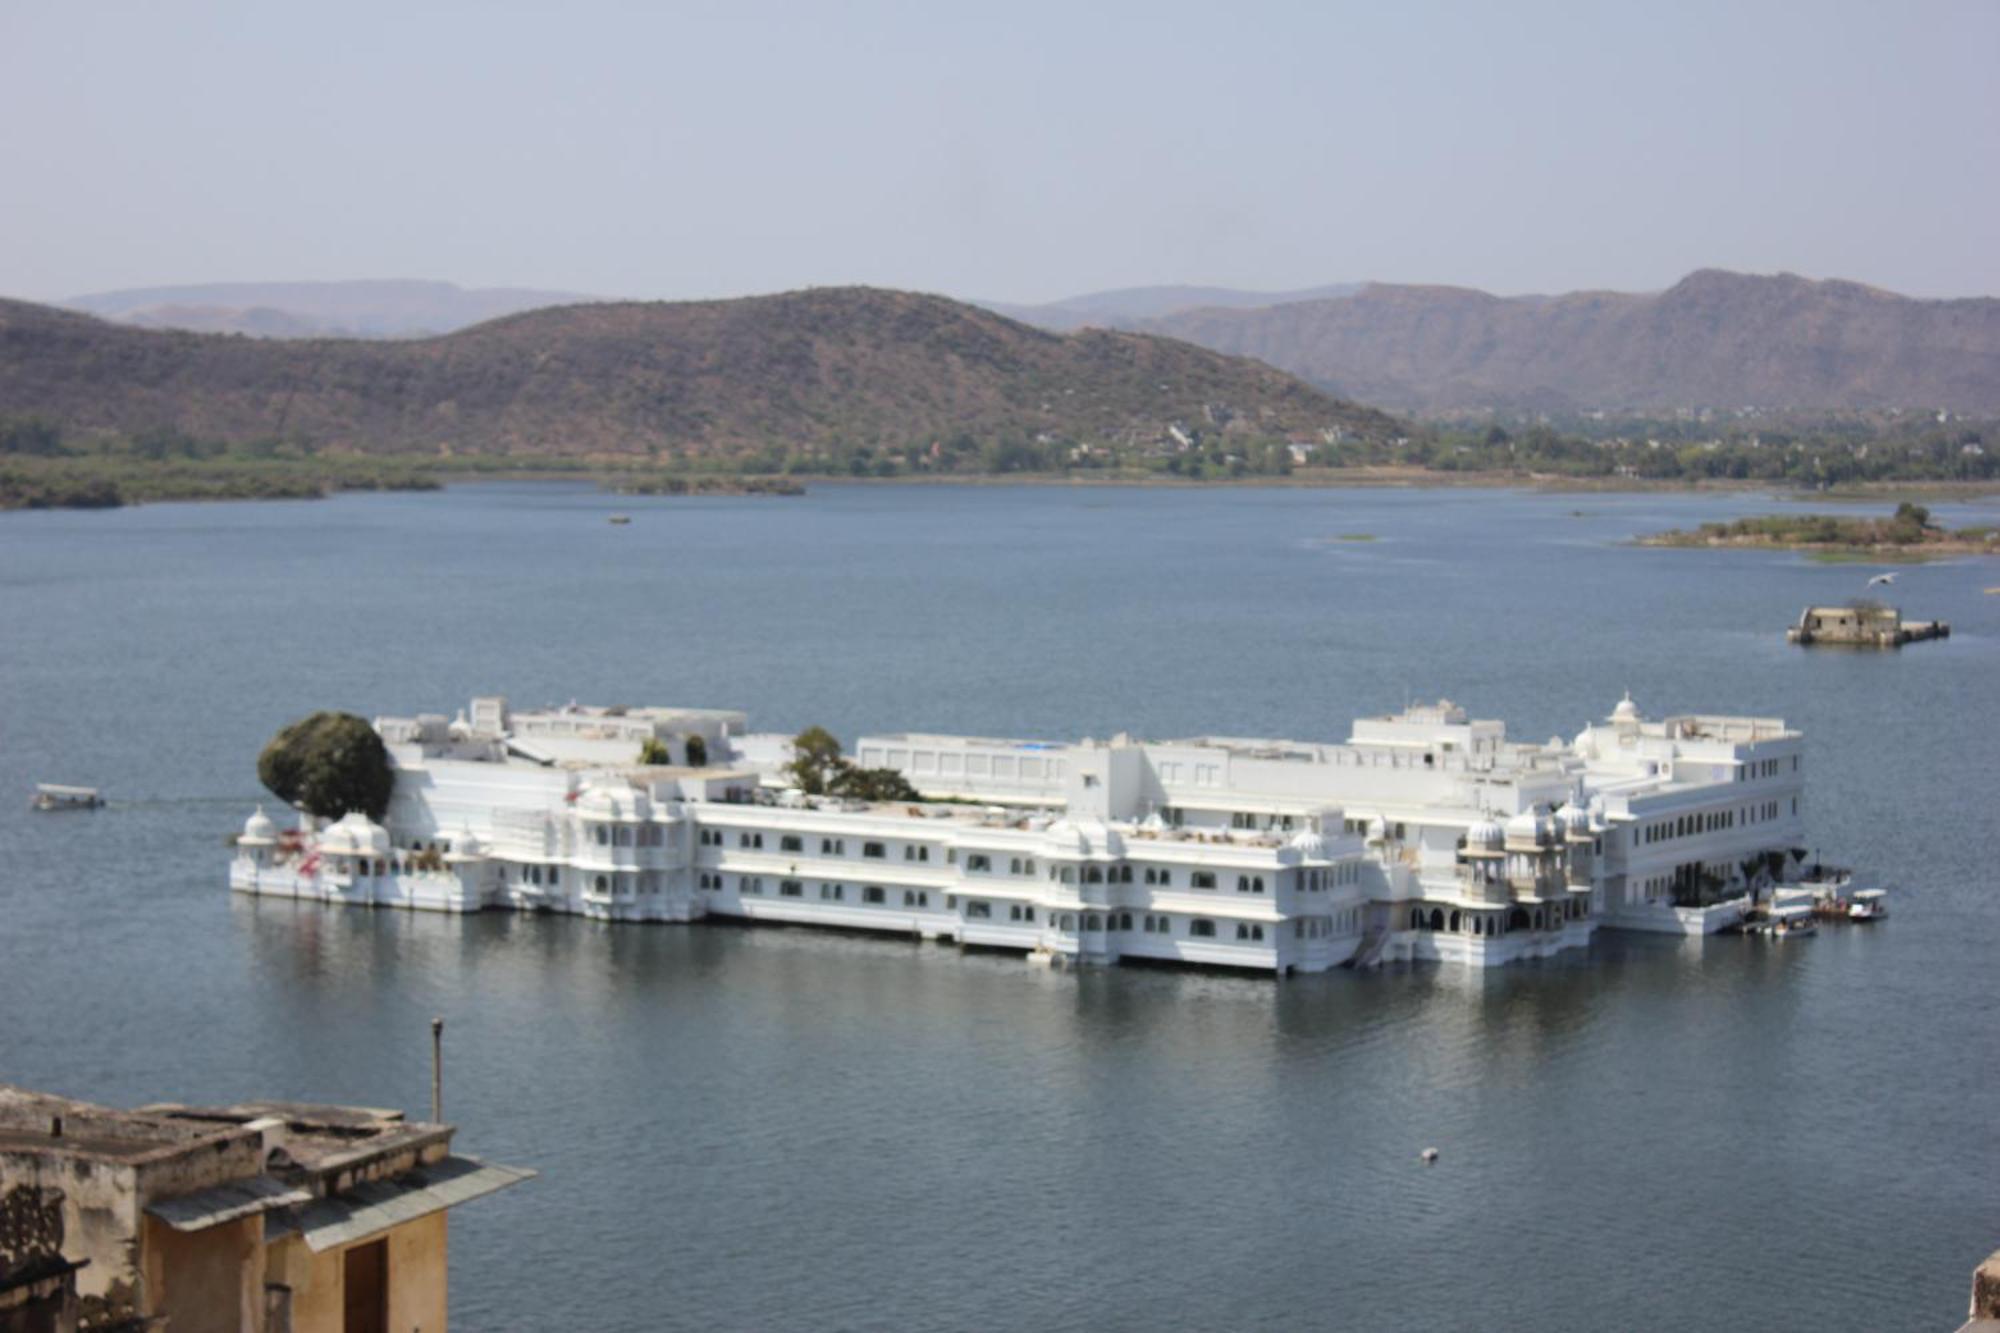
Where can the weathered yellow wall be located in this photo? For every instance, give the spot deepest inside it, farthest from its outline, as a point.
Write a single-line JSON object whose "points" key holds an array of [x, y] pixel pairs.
{"points": [[417, 1272], [208, 1281], [417, 1275], [315, 1283]]}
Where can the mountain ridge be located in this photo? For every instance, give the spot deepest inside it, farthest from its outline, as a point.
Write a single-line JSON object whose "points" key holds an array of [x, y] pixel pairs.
{"points": [[360, 308], [1714, 339], [715, 380]]}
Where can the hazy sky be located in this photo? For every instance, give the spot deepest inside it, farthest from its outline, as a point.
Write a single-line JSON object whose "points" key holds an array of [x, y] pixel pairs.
{"points": [[1018, 151]]}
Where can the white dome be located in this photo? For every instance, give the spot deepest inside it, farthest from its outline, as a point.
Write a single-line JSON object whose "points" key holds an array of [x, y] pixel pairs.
{"points": [[258, 830], [1626, 711], [355, 834], [1486, 835], [1378, 830], [1309, 845], [466, 846], [1584, 746], [1524, 827], [1066, 839], [1575, 819], [623, 804]]}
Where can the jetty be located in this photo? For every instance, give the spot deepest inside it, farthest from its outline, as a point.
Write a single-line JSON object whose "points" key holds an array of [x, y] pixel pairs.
{"points": [[1862, 625]]}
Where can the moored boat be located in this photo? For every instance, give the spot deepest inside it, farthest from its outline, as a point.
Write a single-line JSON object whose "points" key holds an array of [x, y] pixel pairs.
{"points": [[1868, 905], [1794, 919]]}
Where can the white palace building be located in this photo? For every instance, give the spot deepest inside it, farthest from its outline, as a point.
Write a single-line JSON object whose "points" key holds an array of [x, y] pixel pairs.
{"points": [[1426, 835]]}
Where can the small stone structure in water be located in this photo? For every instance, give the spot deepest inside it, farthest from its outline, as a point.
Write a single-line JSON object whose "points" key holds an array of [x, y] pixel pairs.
{"points": [[1862, 625]]}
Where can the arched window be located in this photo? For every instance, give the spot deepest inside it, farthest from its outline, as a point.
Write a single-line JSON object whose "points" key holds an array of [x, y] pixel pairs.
{"points": [[1124, 921], [1093, 922], [1416, 918], [1202, 928], [1454, 921], [1517, 919], [1437, 918], [603, 835]]}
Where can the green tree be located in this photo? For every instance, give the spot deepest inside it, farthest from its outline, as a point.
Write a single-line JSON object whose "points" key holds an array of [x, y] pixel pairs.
{"points": [[874, 784], [653, 750], [327, 765], [816, 761], [697, 751]]}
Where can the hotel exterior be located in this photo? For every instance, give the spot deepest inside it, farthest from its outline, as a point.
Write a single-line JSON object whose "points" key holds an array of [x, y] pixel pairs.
{"points": [[1426, 835]]}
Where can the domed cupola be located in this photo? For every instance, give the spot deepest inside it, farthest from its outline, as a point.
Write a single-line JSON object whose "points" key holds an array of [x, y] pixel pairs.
{"points": [[1627, 712], [258, 831], [1524, 830], [1308, 844], [466, 846], [1378, 830], [1575, 820], [1485, 836], [355, 834]]}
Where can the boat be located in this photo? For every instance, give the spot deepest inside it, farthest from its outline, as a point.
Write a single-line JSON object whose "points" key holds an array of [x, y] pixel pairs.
{"points": [[1790, 920], [1868, 905], [56, 796], [620, 520]]}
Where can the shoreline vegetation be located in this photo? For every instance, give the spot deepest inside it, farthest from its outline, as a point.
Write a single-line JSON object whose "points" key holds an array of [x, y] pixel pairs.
{"points": [[45, 466], [1907, 536]]}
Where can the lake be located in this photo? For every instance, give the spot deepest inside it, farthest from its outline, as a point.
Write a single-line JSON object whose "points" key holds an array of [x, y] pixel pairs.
{"points": [[775, 1128]]}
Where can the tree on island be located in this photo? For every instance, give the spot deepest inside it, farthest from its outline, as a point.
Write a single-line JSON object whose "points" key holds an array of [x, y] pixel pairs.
{"points": [[327, 765], [653, 750], [697, 752], [819, 770]]}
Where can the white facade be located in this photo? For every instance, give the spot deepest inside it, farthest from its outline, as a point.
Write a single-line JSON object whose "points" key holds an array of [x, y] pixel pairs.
{"points": [[1425, 836]]}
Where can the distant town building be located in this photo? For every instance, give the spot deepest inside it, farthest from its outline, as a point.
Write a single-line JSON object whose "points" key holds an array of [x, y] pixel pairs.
{"points": [[265, 1217]]}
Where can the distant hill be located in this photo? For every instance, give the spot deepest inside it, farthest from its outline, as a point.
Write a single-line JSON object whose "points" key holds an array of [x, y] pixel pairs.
{"points": [[1714, 339], [709, 379], [1126, 306], [370, 309]]}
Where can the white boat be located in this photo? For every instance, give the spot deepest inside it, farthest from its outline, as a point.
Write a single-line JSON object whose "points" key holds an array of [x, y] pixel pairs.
{"points": [[56, 796], [1868, 905], [1796, 919]]}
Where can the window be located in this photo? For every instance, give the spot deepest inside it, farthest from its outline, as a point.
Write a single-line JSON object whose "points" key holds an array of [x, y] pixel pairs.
{"points": [[913, 853], [603, 884], [873, 850], [749, 884], [832, 847], [1124, 920], [603, 836], [791, 888], [750, 840], [977, 910], [873, 894], [832, 892], [978, 862], [1202, 879], [791, 842], [1202, 928], [1249, 931]]}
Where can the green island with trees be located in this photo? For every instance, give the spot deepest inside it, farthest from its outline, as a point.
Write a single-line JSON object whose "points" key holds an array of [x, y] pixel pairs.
{"points": [[1908, 534], [43, 465]]}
